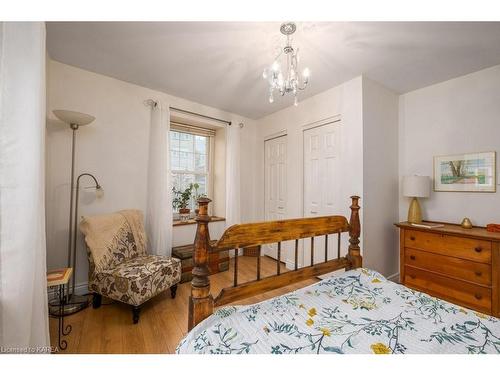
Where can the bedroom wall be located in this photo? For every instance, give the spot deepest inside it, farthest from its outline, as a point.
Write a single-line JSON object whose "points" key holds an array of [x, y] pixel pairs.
{"points": [[114, 148], [377, 126], [380, 177], [345, 101], [456, 116], [368, 115]]}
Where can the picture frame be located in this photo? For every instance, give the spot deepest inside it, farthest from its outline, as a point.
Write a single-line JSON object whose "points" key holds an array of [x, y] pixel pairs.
{"points": [[468, 172]]}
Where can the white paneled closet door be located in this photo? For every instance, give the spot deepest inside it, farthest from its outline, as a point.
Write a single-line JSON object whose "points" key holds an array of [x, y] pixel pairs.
{"points": [[275, 157], [322, 181]]}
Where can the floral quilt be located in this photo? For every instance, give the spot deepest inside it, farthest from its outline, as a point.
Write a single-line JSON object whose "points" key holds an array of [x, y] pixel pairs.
{"points": [[357, 312]]}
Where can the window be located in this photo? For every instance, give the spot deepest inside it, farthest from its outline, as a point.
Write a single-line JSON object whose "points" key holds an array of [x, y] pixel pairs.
{"points": [[190, 158]]}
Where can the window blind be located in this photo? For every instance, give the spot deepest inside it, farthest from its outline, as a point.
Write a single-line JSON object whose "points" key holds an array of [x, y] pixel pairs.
{"points": [[191, 129]]}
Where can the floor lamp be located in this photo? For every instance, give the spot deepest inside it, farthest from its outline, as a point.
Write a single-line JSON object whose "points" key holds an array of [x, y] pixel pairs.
{"points": [[74, 119]]}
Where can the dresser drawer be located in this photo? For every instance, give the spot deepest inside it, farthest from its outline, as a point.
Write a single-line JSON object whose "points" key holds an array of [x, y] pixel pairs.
{"points": [[460, 292], [449, 266], [460, 247]]}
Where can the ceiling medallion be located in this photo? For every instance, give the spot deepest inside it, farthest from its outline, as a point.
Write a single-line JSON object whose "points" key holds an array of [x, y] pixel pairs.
{"points": [[287, 80]]}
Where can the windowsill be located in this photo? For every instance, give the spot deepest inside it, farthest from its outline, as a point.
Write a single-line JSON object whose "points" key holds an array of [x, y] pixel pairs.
{"points": [[178, 223]]}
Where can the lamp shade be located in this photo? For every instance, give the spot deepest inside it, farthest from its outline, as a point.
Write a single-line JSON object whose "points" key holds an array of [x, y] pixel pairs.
{"points": [[72, 117], [416, 186], [99, 192]]}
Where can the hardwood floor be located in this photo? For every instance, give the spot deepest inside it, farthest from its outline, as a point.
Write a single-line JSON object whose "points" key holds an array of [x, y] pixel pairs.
{"points": [[163, 320]]}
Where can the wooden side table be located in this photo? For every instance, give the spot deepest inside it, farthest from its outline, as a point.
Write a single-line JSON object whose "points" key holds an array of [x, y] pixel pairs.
{"points": [[59, 279]]}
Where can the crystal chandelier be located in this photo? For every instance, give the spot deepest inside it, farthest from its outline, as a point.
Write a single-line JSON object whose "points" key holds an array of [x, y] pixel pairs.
{"points": [[288, 80]]}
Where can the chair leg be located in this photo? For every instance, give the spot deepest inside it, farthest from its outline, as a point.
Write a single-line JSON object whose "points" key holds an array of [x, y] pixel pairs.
{"points": [[136, 310], [173, 290], [96, 300]]}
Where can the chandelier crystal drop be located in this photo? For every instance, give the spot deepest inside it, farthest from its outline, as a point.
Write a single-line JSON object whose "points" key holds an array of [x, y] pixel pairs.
{"points": [[283, 74]]}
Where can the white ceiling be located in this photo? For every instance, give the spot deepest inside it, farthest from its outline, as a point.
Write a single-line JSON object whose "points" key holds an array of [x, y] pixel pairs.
{"points": [[220, 64]]}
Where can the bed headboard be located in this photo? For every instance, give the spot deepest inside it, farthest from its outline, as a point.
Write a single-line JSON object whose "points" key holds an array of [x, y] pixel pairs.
{"points": [[201, 302]]}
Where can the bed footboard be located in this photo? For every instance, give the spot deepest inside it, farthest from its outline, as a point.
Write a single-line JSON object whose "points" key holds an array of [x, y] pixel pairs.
{"points": [[201, 301]]}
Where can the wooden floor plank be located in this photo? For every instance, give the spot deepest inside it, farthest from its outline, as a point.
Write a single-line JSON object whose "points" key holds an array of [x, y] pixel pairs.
{"points": [[163, 320]]}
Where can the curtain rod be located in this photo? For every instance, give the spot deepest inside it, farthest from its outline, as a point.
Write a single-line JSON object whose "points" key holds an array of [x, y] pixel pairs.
{"points": [[153, 103], [199, 115]]}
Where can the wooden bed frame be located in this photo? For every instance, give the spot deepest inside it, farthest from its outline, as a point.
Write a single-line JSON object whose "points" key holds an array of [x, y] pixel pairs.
{"points": [[201, 302]]}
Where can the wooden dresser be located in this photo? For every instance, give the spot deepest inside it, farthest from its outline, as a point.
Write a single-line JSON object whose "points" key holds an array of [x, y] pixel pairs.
{"points": [[455, 264]]}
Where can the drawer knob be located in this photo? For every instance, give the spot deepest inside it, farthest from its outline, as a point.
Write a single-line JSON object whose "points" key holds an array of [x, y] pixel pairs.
{"points": [[412, 238], [478, 296], [478, 273], [412, 257], [478, 249], [412, 276]]}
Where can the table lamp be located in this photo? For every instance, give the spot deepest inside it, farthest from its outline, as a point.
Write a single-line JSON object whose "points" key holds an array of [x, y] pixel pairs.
{"points": [[416, 187]]}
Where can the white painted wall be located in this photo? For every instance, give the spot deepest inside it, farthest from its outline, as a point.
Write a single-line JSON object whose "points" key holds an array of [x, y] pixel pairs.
{"points": [[380, 177], [344, 101], [114, 149], [368, 124], [460, 115], [452, 117]]}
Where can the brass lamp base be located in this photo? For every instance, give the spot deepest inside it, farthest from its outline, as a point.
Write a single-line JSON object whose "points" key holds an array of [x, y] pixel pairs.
{"points": [[414, 212]]}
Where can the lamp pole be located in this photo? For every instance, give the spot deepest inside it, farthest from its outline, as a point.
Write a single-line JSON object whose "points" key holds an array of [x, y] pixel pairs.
{"points": [[75, 222], [74, 127]]}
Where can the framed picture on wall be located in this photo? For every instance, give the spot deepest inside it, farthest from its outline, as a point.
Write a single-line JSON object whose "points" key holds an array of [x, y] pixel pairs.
{"points": [[475, 172]]}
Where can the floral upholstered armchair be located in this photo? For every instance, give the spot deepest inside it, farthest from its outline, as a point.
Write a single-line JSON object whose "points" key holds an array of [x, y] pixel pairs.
{"points": [[120, 267]]}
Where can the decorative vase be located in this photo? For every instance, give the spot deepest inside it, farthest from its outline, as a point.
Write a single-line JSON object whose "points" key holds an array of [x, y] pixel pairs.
{"points": [[466, 223]]}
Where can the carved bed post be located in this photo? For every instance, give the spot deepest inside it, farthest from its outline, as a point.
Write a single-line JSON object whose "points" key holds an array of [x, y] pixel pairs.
{"points": [[201, 303], [354, 255]]}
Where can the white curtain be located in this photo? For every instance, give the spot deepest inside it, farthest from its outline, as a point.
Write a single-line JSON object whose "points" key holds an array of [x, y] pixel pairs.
{"points": [[159, 200], [23, 286], [233, 215]]}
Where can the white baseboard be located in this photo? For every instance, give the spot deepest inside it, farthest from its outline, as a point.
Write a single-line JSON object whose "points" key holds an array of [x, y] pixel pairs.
{"points": [[394, 278], [80, 290]]}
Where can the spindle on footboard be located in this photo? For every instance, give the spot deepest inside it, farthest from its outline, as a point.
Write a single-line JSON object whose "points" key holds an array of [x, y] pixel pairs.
{"points": [[201, 302]]}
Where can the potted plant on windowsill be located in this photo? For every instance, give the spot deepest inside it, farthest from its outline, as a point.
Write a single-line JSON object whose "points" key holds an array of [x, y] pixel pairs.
{"points": [[181, 201]]}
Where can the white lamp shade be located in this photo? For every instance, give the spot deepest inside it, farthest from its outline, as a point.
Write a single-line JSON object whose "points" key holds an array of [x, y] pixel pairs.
{"points": [[72, 117], [99, 192], [416, 186]]}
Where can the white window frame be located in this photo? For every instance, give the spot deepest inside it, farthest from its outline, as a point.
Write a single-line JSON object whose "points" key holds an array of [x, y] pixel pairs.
{"points": [[210, 134]]}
